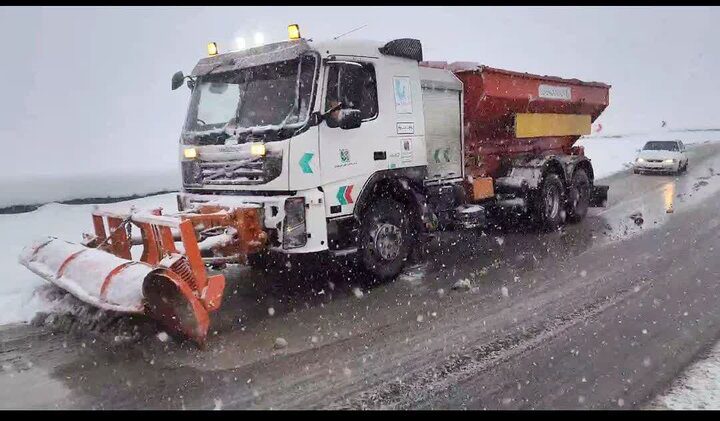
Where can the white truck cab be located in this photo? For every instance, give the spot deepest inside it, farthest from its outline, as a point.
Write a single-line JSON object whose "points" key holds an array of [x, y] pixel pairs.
{"points": [[348, 146], [306, 129]]}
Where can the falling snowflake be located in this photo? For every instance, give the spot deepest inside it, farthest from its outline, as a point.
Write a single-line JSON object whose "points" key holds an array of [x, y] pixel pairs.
{"points": [[271, 311], [357, 292], [505, 292], [218, 404], [280, 343]]}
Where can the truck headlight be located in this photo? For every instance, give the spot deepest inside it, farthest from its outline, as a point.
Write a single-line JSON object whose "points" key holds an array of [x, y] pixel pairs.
{"points": [[640, 160], [257, 149], [294, 229], [669, 161], [190, 153]]}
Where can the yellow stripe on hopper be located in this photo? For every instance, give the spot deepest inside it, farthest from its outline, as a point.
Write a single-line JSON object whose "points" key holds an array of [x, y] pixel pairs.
{"points": [[538, 125]]}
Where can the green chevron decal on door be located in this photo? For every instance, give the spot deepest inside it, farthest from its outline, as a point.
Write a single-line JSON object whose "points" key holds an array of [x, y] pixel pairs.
{"points": [[305, 163]]}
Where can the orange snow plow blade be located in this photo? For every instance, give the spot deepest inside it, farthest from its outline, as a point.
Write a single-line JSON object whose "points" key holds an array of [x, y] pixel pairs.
{"points": [[169, 283]]}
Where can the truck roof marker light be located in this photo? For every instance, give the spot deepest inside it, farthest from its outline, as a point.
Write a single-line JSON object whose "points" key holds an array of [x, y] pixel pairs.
{"points": [[240, 42], [294, 31], [259, 38], [212, 49], [257, 149]]}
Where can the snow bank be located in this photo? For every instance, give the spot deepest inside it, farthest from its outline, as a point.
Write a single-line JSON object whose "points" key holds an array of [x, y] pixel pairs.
{"points": [[697, 388], [612, 154], [17, 284], [52, 188]]}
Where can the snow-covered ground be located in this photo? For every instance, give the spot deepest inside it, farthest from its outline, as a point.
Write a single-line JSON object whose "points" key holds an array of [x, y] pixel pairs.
{"points": [[17, 284], [612, 154], [697, 388], [51, 188]]}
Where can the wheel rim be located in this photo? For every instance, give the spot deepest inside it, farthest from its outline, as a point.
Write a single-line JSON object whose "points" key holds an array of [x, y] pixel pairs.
{"points": [[552, 202], [387, 241]]}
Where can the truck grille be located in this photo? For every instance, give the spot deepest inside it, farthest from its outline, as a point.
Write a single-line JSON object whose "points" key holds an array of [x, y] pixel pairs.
{"points": [[244, 172]]}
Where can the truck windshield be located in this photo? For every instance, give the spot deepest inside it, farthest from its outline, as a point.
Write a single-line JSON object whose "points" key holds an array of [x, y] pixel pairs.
{"points": [[271, 101], [661, 146]]}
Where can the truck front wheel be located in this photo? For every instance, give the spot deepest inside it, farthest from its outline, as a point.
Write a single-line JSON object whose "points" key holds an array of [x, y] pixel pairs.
{"points": [[262, 261], [579, 196], [386, 238], [549, 202]]}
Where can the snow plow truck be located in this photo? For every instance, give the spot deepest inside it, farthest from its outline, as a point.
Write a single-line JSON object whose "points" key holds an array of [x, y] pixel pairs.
{"points": [[344, 147]]}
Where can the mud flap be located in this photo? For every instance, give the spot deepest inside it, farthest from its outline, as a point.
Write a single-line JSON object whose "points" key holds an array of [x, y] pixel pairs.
{"points": [[598, 196]]}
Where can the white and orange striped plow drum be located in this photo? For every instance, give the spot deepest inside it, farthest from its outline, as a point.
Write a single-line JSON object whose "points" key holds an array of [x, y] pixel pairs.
{"points": [[169, 283]]}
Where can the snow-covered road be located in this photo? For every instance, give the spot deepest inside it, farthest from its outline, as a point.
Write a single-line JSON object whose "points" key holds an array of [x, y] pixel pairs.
{"points": [[698, 387], [530, 276]]}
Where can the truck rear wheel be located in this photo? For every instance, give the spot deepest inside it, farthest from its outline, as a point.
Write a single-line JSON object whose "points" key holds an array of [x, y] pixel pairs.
{"points": [[549, 202], [386, 238], [579, 200]]}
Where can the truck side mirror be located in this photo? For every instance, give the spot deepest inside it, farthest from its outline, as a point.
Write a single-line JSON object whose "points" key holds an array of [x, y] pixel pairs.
{"points": [[350, 119], [177, 80], [315, 118]]}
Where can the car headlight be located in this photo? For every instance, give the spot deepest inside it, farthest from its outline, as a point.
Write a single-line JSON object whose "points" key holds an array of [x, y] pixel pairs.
{"points": [[669, 161], [294, 229], [640, 160]]}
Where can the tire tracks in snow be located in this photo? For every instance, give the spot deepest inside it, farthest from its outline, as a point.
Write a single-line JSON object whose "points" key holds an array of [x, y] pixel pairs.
{"points": [[418, 387]]}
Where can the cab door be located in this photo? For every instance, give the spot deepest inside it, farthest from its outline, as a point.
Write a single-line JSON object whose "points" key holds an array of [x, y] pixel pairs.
{"points": [[347, 154]]}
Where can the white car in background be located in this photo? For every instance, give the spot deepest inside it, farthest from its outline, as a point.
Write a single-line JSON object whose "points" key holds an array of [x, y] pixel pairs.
{"points": [[666, 156]]}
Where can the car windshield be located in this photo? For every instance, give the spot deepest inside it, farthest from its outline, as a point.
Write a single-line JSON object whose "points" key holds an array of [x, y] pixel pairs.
{"points": [[272, 99], [661, 146]]}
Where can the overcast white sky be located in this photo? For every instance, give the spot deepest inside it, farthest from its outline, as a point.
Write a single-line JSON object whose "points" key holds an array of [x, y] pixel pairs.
{"points": [[88, 88]]}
